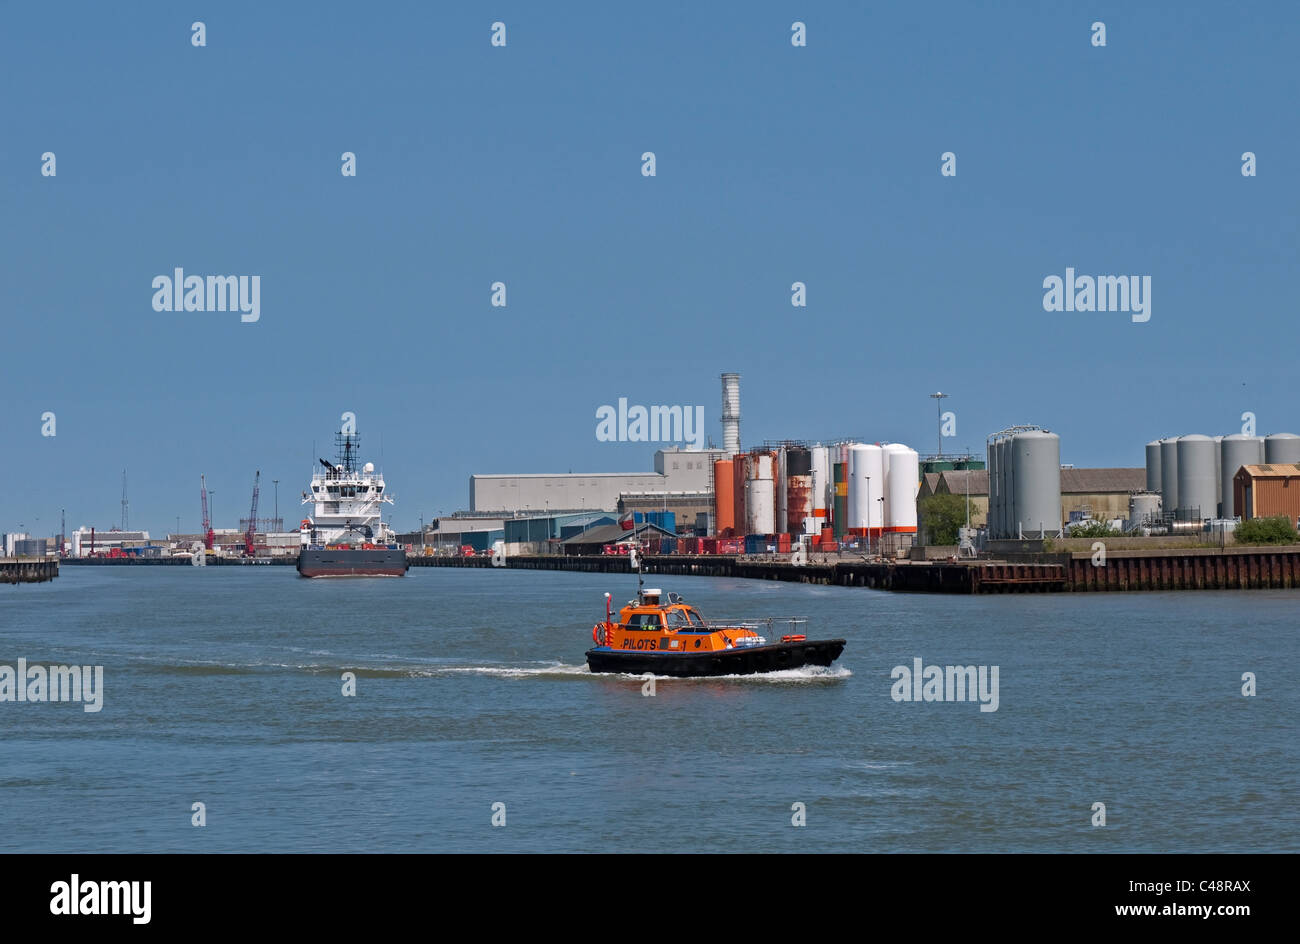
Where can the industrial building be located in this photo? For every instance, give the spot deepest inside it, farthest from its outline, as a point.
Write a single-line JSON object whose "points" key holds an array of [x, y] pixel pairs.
{"points": [[596, 539], [675, 470], [1264, 491]]}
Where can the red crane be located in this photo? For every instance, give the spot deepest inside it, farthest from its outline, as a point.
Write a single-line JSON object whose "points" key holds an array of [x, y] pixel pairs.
{"points": [[249, 549], [207, 525]]}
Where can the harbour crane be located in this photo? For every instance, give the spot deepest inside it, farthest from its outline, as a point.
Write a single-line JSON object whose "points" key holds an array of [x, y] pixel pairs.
{"points": [[207, 525], [251, 533]]}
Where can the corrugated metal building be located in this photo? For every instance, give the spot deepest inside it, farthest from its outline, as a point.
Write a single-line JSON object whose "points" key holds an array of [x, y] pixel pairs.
{"points": [[1263, 491], [675, 470]]}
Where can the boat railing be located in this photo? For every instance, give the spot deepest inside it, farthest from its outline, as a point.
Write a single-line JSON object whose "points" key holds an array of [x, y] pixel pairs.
{"points": [[765, 626]]}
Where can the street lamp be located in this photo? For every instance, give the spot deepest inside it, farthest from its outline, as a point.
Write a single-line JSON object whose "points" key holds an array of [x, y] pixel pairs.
{"points": [[938, 399]]}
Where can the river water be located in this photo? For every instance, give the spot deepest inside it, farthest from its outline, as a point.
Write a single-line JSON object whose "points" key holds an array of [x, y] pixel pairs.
{"points": [[223, 686]]}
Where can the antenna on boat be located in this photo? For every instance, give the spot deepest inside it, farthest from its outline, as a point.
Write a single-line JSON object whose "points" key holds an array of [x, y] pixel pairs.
{"points": [[636, 562]]}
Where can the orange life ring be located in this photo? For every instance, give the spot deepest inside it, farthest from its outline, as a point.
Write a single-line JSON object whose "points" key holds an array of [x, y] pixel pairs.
{"points": [[598, 634], [798, 638]]}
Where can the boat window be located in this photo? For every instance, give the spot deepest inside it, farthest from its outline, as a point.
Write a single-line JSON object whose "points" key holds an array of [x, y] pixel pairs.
{"points": [[696, 618], [676, 619], [646, 620]]}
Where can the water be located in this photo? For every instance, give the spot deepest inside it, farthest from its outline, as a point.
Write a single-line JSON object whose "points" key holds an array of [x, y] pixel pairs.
{"points": [[222, 685]]}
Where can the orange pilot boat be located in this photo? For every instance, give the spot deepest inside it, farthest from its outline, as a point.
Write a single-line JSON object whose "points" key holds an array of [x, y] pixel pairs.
{"points": [[663, 635]]}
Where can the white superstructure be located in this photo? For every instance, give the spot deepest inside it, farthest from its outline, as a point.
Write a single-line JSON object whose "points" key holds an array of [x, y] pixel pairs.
{"points": [[348, 503]]}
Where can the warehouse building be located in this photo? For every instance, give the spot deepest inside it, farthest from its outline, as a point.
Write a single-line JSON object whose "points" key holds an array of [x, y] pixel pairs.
{"points": [[675, 470], [1263, 491]]}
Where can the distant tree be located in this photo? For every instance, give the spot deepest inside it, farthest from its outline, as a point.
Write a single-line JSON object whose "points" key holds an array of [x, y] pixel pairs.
{"points": [[1275, 530], [939, 518]]}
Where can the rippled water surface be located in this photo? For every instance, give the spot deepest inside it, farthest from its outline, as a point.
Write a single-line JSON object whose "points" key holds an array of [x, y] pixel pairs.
{"points": [[223, 685]]}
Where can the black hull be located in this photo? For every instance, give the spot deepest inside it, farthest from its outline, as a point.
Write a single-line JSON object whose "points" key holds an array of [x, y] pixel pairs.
{"points": [[741, 661], [353, 562]]}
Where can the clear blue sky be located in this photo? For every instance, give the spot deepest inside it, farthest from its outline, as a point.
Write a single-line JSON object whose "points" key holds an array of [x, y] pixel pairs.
{"points": [[522, 164]]}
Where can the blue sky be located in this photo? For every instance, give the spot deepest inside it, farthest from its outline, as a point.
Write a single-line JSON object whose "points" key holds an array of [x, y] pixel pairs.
{"points": [[521, 164]]}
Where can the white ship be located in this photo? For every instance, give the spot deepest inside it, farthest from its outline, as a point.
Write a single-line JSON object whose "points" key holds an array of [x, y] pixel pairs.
{"points": [[346, 536]]}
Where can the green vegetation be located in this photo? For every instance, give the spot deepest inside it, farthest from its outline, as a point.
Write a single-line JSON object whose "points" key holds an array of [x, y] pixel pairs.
{"points": [[1276, 530], [939, 517], [1095, 529]]}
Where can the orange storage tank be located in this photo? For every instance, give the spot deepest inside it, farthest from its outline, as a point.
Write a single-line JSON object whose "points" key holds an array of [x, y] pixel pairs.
{"points": [[724, 498]]}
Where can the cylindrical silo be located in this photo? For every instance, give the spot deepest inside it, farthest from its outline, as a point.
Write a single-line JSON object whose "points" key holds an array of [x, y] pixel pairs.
{"points": [[821, 489], [840, 507], [760, 496], [782, 478], [866, 481], [1282, 448], [1006, 510], [1218, 477], [902, 481], [1153, 466], [798, 491], [724, 499], [740, 475], [1169, 474], [1143, 507], [991, 457], [1235, 451], [1036, 483], [1198, 496]]}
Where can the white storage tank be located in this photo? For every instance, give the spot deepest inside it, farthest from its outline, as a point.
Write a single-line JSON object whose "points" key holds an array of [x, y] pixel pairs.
{"points": [[760, 496], [866, 473], [1198, 494], [902, 482], [822, 499]]}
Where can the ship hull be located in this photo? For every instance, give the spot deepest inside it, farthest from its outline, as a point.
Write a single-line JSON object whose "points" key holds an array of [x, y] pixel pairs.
{"points": [[352, 562], [740, 661]]}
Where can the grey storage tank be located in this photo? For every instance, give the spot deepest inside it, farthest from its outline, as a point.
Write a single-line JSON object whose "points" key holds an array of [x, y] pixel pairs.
{"points": [[1169, 474], [1282, 448], [1218, 477], [1036, 483], [1198, 492], [995, 490], [1153, 466], [1143, 507], [1235, 451]]}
